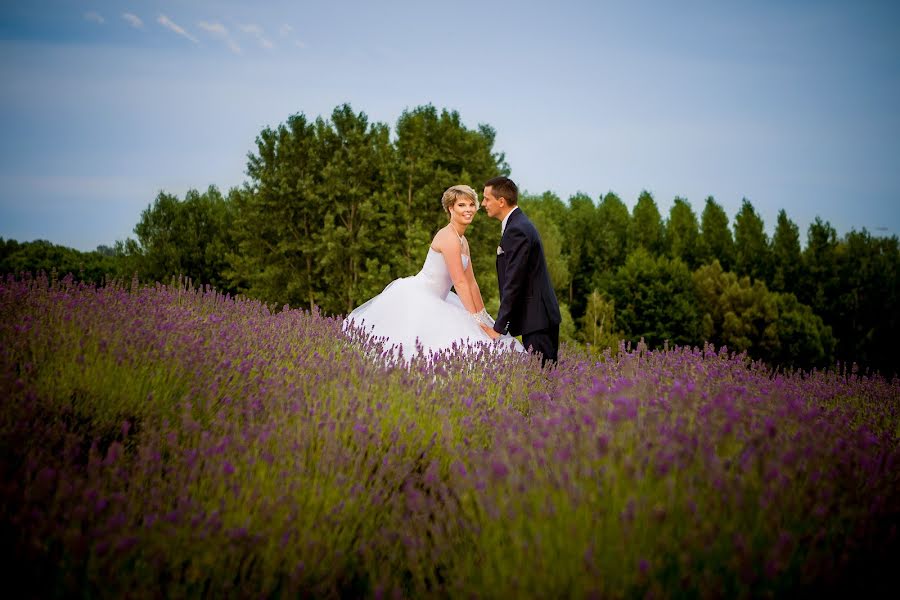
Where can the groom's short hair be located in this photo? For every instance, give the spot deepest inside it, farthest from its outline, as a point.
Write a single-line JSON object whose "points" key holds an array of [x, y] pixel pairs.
{"points": [[504, 187]]}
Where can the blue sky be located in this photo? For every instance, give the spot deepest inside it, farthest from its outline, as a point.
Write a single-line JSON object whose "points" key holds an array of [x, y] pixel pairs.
{"points": [[791, 104]]}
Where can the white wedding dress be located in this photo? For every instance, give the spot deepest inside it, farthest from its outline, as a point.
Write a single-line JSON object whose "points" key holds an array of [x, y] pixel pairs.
{"points": [[422, 309]]}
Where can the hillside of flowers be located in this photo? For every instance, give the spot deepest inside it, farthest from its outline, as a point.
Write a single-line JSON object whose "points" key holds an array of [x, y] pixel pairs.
{"points": [[168, 441]]}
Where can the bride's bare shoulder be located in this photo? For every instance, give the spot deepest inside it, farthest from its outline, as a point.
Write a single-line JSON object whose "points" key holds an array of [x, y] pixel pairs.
{"points": [[441, 240]]}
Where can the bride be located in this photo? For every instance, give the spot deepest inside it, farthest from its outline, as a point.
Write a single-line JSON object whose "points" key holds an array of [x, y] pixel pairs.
{"points": [[422, 309]]}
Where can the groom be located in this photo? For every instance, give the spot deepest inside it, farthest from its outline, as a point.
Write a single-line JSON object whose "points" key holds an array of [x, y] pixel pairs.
{"points": [[528, 304]]}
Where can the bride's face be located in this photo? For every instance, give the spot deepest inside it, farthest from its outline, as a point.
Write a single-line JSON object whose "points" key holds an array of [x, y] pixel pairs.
{"points": [[463, 210]]}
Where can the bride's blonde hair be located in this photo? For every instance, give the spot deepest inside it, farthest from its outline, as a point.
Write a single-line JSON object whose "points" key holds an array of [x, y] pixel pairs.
{"points": [[452, 194]]}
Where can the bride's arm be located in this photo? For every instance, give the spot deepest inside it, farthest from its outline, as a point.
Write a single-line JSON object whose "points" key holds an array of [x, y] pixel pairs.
{"points": [[452, 254], [473, 286]]}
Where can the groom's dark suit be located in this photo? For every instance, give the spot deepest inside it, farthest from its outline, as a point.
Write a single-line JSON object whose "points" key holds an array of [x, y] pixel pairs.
{"points": [[528, 305]]}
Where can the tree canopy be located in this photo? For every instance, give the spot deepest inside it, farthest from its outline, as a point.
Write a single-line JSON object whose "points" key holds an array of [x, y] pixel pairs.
{"points": [[335, 208]]}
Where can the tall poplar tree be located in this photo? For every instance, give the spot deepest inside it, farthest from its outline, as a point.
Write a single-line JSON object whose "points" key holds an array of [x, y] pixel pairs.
{"points": [[646, 226], [613, 220], [716, 242], [581, 249], [820, 280], [787, 260], [751, 244], [682, 233]]}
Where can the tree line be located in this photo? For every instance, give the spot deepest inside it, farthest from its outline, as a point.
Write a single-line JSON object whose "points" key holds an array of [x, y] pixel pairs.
{"points": [[334, 209]]}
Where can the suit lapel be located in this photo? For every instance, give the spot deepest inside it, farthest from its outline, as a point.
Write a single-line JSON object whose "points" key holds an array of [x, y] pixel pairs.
{"points": [[513, 217], [501, 273]]}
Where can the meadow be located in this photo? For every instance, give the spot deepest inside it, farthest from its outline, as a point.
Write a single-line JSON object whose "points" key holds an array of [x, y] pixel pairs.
{"points": [[170, 441]]}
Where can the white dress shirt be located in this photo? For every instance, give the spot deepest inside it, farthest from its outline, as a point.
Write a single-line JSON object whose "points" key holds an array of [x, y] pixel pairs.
{"points": [[505, 219]]}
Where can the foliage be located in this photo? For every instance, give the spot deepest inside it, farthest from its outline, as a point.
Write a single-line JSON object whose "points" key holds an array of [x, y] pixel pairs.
{"points": [[41, 255], [682, 233], [172, 441], [751, 244], [611, 234], [786, 256], [646, 226], [336, 208], [716, 241], [543, 213], [654, 300], [598, 324], [864, 310], [743, 315], [580, 229], [190, 237]]}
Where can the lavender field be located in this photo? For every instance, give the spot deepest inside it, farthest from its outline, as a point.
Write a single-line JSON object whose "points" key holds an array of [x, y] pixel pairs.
{"points": [[163, 441]]}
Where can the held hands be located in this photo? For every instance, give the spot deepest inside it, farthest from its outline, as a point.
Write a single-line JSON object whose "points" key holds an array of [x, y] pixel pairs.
{"points": [[483, 318], [487, 323], [490, 332]]}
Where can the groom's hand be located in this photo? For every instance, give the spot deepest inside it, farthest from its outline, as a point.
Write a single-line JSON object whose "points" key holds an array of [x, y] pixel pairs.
{"points": [[491, 333]]}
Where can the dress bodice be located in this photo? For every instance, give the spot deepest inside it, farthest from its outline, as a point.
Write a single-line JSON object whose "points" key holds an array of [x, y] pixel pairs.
{"points": [[435, 273]]}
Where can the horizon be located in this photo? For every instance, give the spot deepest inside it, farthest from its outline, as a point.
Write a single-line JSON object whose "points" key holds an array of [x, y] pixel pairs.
{"points": [[106, 104]]}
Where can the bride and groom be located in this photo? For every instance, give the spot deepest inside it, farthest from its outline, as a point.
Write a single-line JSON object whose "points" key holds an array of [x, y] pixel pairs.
{"points": [[422, 310]]}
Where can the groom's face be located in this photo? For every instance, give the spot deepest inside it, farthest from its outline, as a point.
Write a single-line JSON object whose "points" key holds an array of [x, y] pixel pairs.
{"points": [[493, 206]]}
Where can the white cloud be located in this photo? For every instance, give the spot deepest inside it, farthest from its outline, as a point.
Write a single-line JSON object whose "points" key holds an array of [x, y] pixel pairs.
{"points": [[175, 27], [257, 32], [94, 17], [133, 20], [214, 28], [251, 29], [286, 31], [219, 31]]}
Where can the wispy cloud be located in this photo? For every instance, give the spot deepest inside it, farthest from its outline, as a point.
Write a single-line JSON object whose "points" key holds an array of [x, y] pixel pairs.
{"points": [[219, 31], [133, 20], [175, 27], [257, 32], [94, 17], [286, 31]]}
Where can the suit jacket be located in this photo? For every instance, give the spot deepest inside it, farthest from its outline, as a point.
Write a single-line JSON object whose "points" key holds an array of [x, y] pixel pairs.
{"points": [[527, 300]]}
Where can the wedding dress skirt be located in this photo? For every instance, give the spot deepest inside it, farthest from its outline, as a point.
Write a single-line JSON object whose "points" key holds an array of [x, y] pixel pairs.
{"points": [[422, 311]]}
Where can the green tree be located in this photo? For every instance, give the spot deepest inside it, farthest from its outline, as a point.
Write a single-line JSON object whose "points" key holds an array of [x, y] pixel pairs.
{"points": [[744, 315], [598, 325], [356, 228], [646, 226], [548, 203], [611, 233], [787, 260], [737, 312], [751, 244], [190, 237], [820, 281], [42, 256], [543, 212], [716, 242], [682, 233], [433, 152], [581, 250], [804, 341], [279, 216], [654, 299], [865, 309]]}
